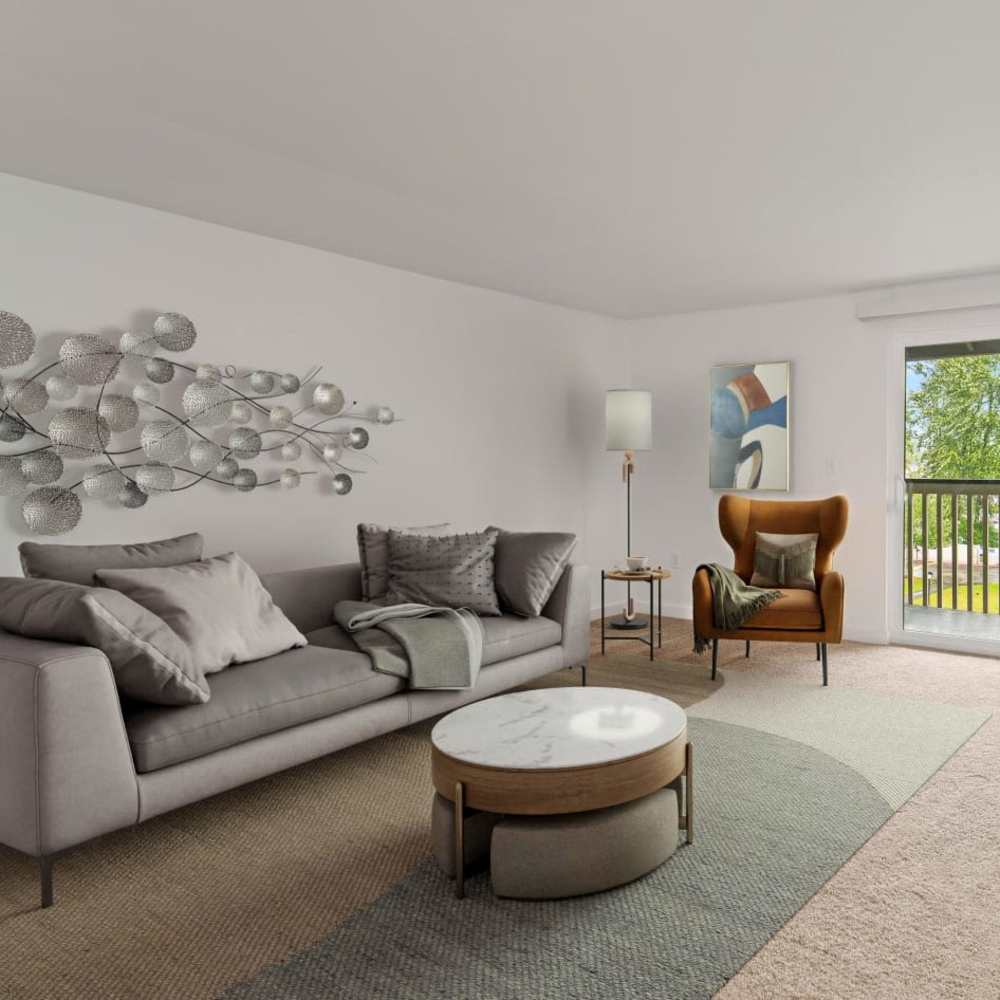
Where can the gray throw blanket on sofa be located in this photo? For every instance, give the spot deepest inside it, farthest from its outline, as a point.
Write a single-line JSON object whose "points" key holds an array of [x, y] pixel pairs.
{"points": [[429, 647], [733, 601]]}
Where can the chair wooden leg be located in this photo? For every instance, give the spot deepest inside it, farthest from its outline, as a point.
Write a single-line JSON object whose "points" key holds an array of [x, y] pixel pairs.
{"points": [[748, 649], [825, 678], [715, 657]]}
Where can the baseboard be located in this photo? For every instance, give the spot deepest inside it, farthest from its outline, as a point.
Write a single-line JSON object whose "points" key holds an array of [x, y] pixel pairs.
{"points": [[873, 637]]}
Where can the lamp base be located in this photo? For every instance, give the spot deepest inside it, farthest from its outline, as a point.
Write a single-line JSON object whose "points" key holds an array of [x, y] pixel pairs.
{"points": [[633, 624]]}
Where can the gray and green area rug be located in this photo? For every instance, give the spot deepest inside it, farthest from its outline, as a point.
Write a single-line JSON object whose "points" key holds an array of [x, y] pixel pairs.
{"points": [[791, 780], [317, 882]]}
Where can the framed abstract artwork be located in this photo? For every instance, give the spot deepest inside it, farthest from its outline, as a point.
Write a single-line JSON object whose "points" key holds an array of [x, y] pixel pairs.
{"points": [[748, 445]]}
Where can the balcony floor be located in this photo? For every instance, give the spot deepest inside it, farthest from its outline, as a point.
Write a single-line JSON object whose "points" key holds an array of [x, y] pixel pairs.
{"points": [[941, 621]]}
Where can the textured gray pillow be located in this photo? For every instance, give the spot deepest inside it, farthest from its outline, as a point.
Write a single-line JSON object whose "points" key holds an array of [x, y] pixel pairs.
{"points": [[453, 571], [784, 561], [373, 554], [218, 607], [148, 659], [79, 563], [528, 567]]}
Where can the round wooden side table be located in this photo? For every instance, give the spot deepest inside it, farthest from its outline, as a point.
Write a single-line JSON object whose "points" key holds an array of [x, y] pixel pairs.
{"points": [[654, 577]]}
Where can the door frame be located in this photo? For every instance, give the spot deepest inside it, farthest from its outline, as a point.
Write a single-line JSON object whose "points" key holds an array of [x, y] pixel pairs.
{"points": [[937, 328]]}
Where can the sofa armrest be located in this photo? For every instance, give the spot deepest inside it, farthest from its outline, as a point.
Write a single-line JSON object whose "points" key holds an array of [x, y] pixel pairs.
{"points": [[66, 772], [831, 600], [570, 606]]}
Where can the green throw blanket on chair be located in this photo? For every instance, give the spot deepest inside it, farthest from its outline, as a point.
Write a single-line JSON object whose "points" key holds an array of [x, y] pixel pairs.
{"points": [[733, 601]]}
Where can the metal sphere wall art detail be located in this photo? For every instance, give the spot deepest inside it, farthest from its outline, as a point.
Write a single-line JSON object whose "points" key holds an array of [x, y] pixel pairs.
{"points": [[139, 426]]}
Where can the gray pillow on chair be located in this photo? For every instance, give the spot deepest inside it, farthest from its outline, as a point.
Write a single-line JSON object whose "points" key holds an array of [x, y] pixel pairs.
{"points": [[528, 567], [148, 659], [453, 571], [78, 563], [784, 561], [218, 607]]}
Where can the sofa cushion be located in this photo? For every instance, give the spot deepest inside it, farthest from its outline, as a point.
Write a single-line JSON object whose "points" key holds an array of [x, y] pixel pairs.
{"points": [[217, 606], [503, 638], [332, 637], [254, 699], [78, 563], [373, 554], [452, 571], [794, 609], [528, 565], [511, 635], [149, 660]]}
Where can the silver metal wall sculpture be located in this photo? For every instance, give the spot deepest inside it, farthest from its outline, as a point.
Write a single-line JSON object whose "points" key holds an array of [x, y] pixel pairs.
{"points": [[229, 418]]}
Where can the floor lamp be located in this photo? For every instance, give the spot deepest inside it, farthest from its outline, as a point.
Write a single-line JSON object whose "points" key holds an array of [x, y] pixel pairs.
{"points": [[629, 422]]}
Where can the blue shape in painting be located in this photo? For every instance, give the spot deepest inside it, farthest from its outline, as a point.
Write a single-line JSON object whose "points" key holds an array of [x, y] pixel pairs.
{"points": [[776, 413], [728, 418]]}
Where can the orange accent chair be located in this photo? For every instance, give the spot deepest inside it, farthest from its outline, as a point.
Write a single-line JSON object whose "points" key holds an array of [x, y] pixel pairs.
{"points": [[798, 615]]}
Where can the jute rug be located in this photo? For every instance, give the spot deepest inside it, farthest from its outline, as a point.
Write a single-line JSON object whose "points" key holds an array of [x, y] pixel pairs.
{"points": [[208, 898]]}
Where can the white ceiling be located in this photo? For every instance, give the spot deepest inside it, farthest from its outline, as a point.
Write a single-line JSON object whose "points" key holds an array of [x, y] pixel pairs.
{"points": [[627, 157]]}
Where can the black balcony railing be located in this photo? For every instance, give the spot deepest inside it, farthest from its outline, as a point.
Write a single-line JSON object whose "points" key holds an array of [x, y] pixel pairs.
{"points": [[950, 533]]}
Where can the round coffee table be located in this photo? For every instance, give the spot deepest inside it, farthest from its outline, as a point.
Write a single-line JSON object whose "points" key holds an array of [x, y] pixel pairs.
{"points": [[559, 750]]}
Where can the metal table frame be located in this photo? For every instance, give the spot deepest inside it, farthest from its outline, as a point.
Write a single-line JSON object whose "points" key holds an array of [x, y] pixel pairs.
{"points": [[655, 640]]}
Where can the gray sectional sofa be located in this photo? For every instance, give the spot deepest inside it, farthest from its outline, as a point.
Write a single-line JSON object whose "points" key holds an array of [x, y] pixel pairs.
{"points": [[77, 762]]}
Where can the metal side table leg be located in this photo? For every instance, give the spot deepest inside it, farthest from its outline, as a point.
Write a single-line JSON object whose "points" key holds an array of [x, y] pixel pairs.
{"points": [[459, 805]]}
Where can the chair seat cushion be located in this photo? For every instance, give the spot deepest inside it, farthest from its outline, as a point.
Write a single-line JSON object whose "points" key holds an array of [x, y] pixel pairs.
{"points": [[254, 699], [504, 637], [795, 609]]}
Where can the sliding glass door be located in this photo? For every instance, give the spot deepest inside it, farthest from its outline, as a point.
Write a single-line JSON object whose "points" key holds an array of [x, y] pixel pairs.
{"points": [[951, 578]]}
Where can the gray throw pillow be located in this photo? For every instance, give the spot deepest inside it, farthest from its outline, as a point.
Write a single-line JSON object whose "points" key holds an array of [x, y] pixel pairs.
{"points": [[528, 566], [784, 561], [218, 607], [78, 563], [452, 571], [148, 659], [373, 554]]}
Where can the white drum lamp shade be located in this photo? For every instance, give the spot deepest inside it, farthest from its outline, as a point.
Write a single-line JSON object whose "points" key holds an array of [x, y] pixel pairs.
{"points": [[629, 417]]}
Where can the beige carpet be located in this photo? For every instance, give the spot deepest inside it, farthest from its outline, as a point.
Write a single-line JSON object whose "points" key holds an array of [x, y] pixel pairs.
{"points": [[207, 896]]}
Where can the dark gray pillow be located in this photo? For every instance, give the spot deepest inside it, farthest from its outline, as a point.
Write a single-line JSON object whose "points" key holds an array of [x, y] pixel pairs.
{"points": [[784, 561], [452, 571], [79, 563], [148, 659], [218, 607], [529, 564], [373, 554]]}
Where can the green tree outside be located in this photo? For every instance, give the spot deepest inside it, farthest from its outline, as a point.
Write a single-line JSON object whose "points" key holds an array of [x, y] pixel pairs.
{"points": [[953, 432]]}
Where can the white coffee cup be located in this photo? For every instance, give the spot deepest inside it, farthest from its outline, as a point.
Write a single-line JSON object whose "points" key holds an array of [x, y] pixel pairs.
{"points": [[636, 563]]}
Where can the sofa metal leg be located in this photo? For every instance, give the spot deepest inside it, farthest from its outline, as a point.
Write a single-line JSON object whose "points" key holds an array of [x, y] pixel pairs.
{"points": [[818, 644], [748, 649], [715, 657], [583, 674], [45, 874], [824, 665]]}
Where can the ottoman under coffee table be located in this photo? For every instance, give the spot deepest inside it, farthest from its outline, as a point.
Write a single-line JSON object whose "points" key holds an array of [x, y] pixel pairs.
{"points": [[567, 790]]}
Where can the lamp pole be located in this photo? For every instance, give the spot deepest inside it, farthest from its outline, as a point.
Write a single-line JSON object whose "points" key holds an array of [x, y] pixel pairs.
{"points": [[628, 619]]}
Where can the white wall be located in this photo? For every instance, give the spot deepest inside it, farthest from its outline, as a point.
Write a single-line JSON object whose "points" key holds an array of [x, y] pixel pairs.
{"points": [[838, 437], [502, 397]]}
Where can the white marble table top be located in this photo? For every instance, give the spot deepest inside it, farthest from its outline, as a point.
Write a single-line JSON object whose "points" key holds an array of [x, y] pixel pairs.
{"points": [[561, 727]]}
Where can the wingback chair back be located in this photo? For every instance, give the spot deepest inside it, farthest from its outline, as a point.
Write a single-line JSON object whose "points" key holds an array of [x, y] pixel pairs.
{"points": [[740, 519]]}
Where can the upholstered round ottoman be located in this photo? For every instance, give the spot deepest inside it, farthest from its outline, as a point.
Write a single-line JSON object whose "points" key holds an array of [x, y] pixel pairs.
{"points": [[565, 790]]}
